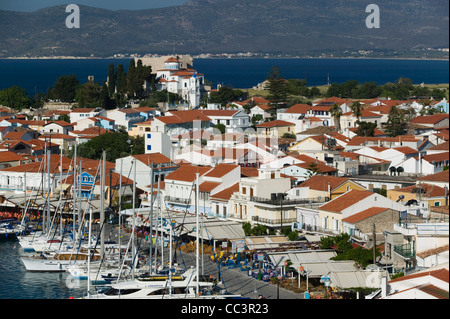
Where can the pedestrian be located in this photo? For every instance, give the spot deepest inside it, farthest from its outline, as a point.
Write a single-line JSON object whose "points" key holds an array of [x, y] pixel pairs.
{"points": [[306, 295]]}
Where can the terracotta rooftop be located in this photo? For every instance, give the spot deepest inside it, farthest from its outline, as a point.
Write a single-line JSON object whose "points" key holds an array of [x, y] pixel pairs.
{"points": [[441, 274], [440, 147], [208, 186], [275, 124], [221, 170], [372, 211], [427, 190], [345, 200], [226, 193], [321, 182], [430, 119], [148, 159], [438, 177], [187, 173], [298, 109]]}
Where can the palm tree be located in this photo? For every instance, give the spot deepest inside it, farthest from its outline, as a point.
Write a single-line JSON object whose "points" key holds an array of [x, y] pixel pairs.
{"points": [[356, 108], [336, 113]]}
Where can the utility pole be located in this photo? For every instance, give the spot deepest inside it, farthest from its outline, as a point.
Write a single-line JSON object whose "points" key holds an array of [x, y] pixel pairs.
{"points": [[374, 243]]}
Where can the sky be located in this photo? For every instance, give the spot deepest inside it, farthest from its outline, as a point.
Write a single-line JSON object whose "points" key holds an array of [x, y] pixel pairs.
{"points": [[32, 5]]}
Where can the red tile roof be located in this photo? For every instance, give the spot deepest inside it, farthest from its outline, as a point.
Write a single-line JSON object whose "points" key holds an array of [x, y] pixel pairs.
{"points": [[148, 159], [438, 177], [299, 109], [187, 173], [221, 170], [275, 124], [436, 157], [183, 117], [208, 186], [345, 200], [428, 190], [440, 147], [441, 274], [430, 119], [372, 211], [320, 182], [226, 193], [406, 150]]}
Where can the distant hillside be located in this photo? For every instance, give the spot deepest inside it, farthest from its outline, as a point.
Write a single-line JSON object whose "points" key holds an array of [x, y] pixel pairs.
{"points": [[294, 27]]}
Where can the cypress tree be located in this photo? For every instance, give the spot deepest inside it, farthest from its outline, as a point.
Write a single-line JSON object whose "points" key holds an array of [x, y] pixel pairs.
{"points": [[111, 80]]}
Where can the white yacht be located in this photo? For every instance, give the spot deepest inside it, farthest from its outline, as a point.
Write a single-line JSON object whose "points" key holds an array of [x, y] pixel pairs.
{"points": [[181, 286], [55, 261]]}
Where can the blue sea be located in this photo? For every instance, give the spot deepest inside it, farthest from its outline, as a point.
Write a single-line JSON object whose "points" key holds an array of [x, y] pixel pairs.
{"points": [[37, 75], [18, 283]]}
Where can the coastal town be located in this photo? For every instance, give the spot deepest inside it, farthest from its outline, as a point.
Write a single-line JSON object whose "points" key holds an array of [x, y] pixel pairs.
{"points": [[330, 198]]}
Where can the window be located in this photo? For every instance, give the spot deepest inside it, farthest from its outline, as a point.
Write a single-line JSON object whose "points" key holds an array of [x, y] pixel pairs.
{"points": [[149, 135], [149, 147], [437, 203]]}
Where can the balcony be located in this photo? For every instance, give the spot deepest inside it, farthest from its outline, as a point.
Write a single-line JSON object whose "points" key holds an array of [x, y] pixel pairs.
{"points": [[405, 229], [274, 222], [178, 200], [286, 202], [406, 251], [440, 229]]}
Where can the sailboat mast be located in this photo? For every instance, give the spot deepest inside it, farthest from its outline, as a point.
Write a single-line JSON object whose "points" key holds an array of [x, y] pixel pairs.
{"points": [[60, 194], [150, 235], [134, 215], [48, 191], [197, 231], [102, 204], [74, 194], [157, 218]]}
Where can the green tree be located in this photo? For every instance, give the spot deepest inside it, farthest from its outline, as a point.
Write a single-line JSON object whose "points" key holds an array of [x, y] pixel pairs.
{"points": [[365, 128], [395, 124], [225, 95], [114, 143], [257, 118], [333, 90], [15, 98], [121, 79], [288, 135], [105, 101], [356, 108], [367, 90], [336, 113], [111, 80], [88, 95], [313, 169], [65, 88], [278, 88], [220, 127]]}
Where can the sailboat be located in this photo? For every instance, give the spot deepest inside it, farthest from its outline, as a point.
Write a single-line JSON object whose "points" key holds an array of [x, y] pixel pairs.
{"points": [[185, 285]]}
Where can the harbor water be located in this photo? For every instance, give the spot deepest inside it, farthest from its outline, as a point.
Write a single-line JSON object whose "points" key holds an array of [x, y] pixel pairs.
{"points": [[17, 283]]}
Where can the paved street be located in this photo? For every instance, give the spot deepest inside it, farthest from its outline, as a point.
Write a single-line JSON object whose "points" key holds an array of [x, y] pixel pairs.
{"points": [[239, 282], [234, 280]]}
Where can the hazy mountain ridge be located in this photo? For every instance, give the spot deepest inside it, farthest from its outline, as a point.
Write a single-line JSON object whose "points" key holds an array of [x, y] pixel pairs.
{"points": [[295, 27]]}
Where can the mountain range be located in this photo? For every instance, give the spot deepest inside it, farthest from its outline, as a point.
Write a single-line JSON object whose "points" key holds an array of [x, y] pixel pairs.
{"points": [[412, 28]]}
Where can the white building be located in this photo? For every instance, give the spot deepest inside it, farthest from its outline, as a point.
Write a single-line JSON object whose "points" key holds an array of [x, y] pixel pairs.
{"points": [[126, 117], [82, 113], [234, 120], [185, 82], [158, 142]]}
